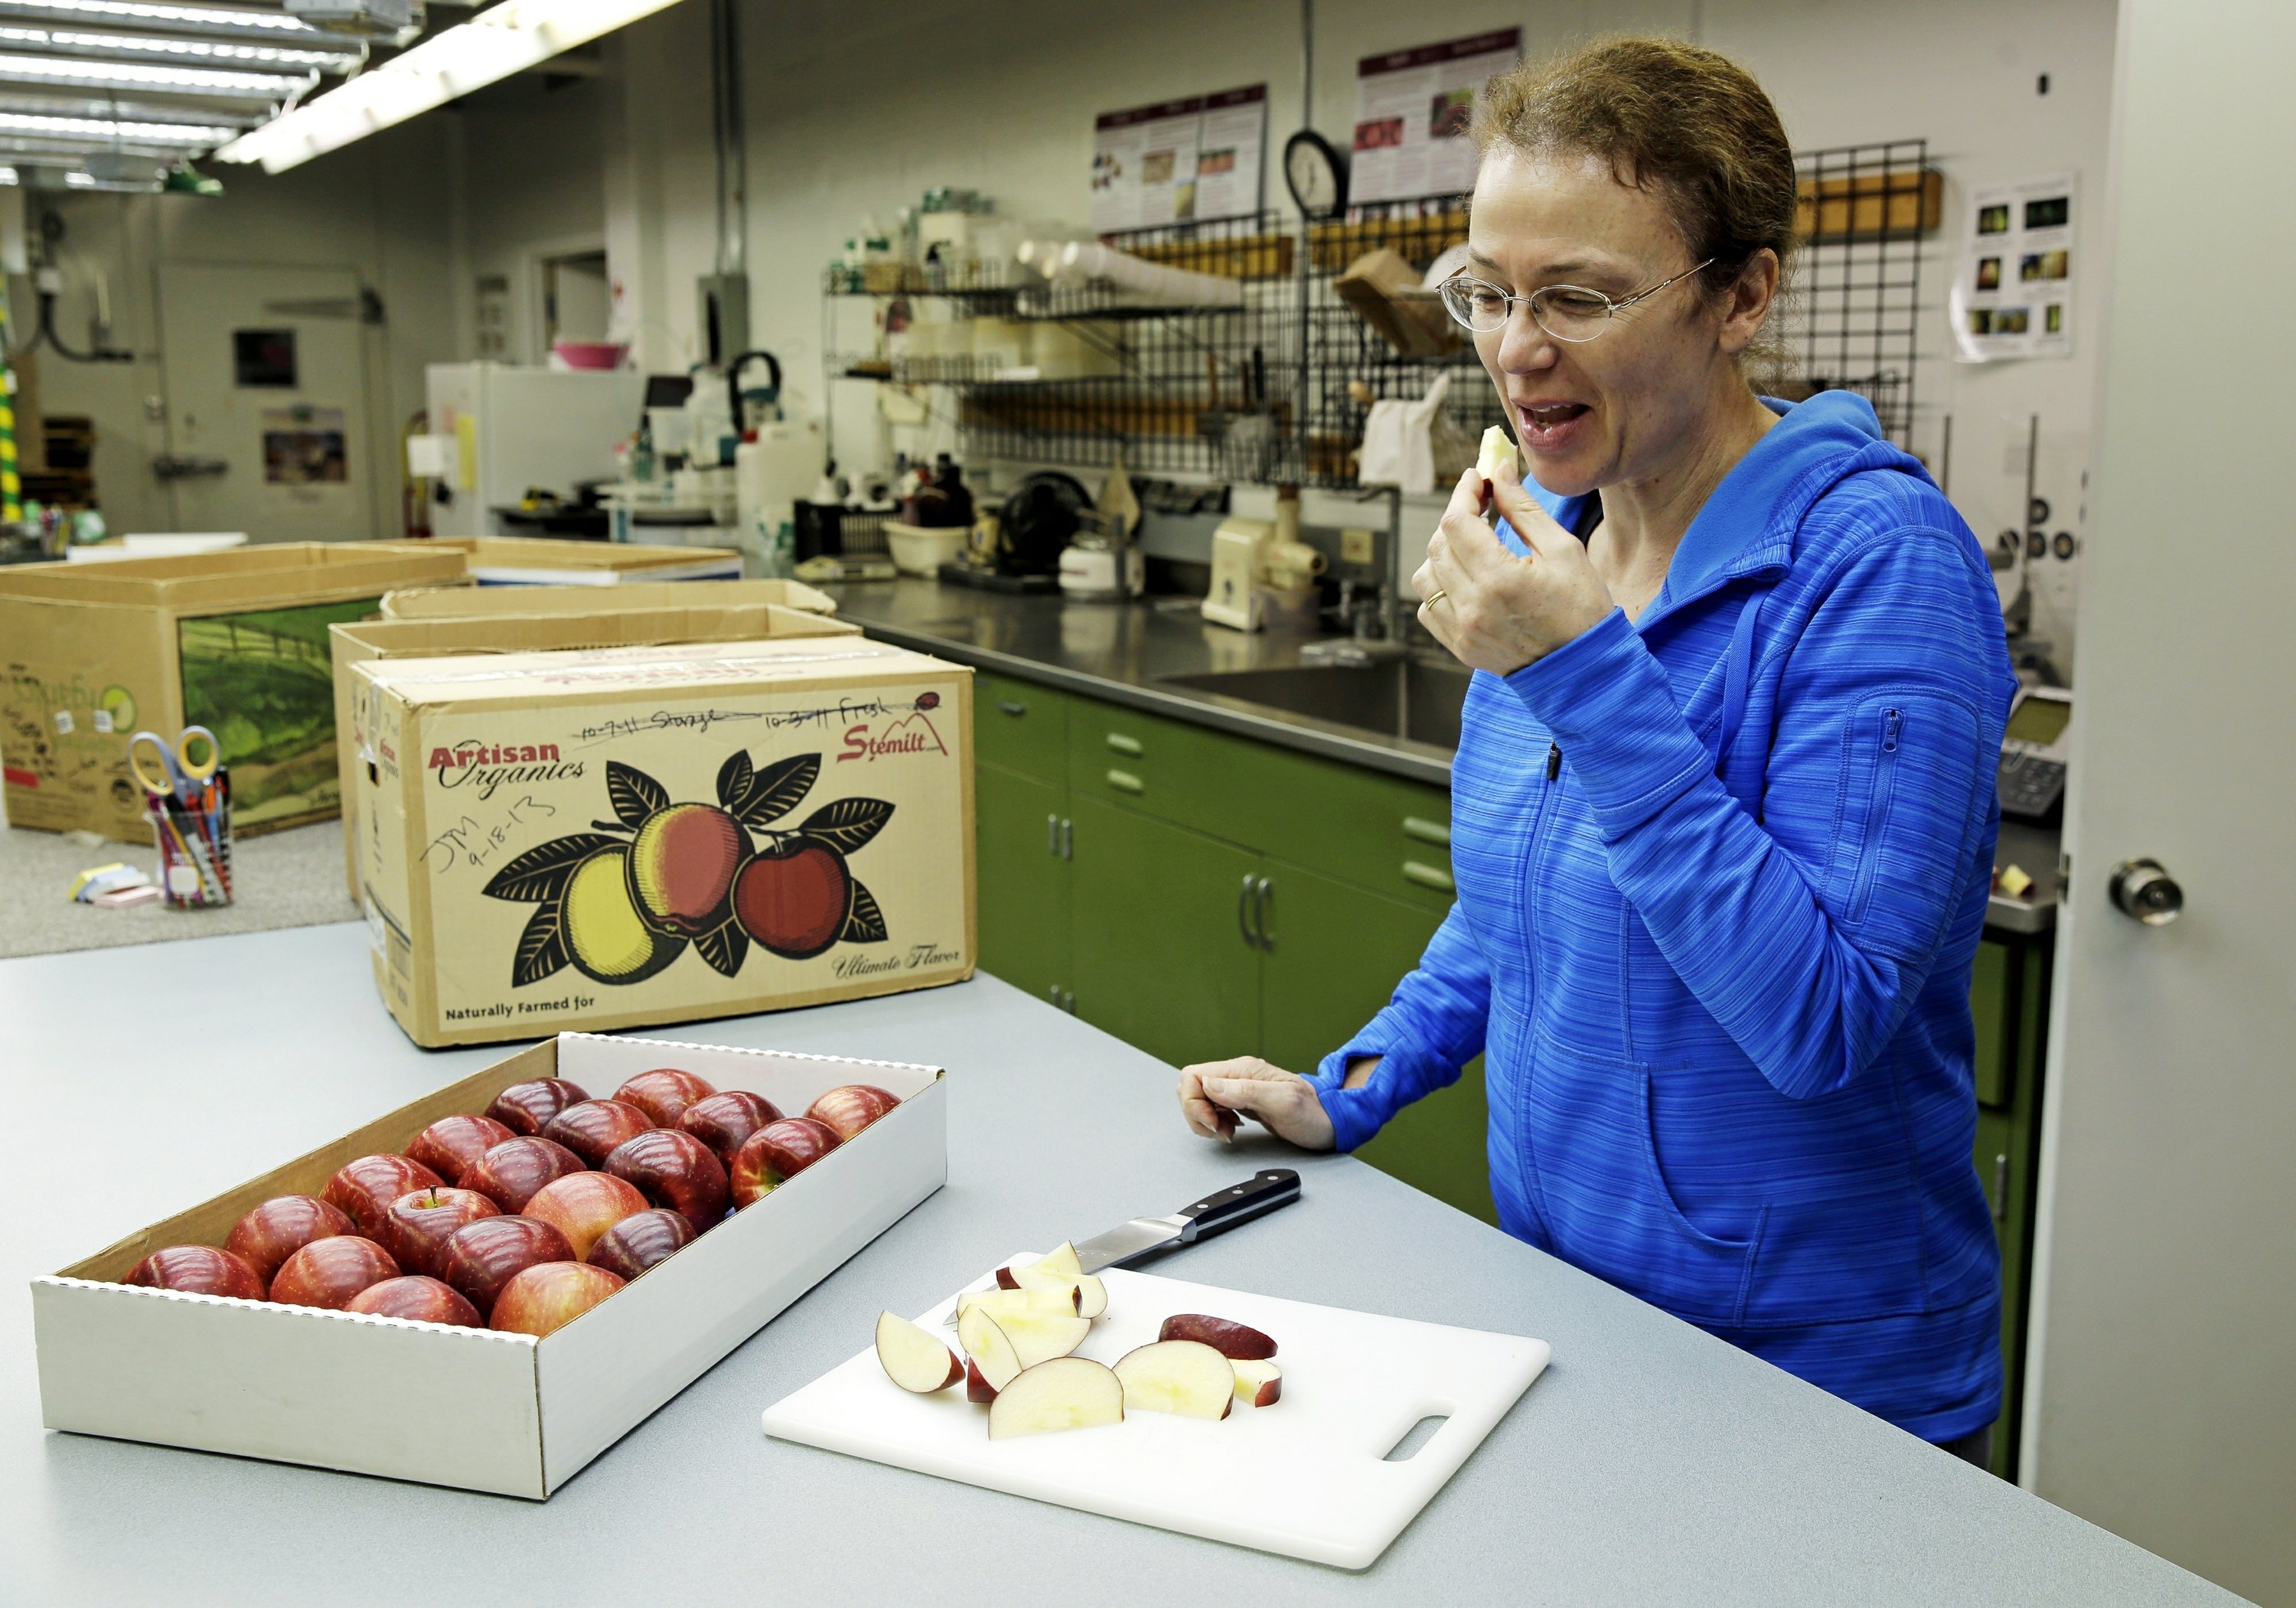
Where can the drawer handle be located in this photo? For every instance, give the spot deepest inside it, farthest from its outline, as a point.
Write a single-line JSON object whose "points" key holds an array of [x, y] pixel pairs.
{"points": [[1426, 831], [1124, 781], [1123, 744], [1429, 876], [1006, 706]]}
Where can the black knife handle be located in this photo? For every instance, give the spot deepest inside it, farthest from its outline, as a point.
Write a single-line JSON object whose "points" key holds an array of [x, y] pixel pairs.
{"points": [[1263, 1191]]}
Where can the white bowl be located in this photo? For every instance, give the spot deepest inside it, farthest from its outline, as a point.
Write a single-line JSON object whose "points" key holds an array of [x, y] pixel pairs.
{"points": [[920, 551]]}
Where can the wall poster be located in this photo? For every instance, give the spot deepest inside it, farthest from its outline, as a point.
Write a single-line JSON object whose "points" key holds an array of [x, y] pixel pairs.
{"points": [[1194, 160], [1413, 110], [2013, 294]]}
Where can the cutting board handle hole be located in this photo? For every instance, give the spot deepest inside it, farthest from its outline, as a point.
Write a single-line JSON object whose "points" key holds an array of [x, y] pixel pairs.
{"points": [[1418, 1435]]}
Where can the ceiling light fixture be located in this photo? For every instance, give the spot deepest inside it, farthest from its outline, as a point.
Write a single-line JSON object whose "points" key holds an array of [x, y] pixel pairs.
{"points": [[142, 47], [108, 131], [214, 21], [506, 39], [68, 73]]}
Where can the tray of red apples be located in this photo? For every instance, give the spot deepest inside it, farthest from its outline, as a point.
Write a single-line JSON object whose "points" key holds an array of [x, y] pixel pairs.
{"points": [[525, 1216]]}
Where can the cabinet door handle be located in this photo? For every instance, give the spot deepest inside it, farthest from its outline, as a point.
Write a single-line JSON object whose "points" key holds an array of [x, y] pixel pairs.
{"points": [[1006, 706], [1429, 876], [1053, 835], [1427, 830], [2001, 1187], [1124, 781], [1123, 744], [1067, 839], [1260, 896], [1243, 912]]}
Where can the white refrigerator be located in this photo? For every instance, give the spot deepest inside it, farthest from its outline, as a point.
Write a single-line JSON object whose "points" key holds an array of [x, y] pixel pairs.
{"points": [[508, 429]]}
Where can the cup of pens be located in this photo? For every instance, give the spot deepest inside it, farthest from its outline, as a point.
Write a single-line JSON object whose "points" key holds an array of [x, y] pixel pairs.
{"points": [[189, 802]]}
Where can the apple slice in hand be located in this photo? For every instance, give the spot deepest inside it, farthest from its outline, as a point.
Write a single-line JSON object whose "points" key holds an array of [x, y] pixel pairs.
{"points": [[1061, 1393], [1257, 1384], [914, 1360], [1234, 1341], [1185, 1377], [994, 1356]]}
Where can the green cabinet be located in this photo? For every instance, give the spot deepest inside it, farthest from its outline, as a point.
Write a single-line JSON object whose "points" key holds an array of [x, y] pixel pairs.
{"points": [[1023, 877], [2008, 998]]}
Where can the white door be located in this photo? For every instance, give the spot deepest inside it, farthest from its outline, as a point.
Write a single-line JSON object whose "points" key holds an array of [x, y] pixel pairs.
{"points": [[2163, 1402], [267, 401]]}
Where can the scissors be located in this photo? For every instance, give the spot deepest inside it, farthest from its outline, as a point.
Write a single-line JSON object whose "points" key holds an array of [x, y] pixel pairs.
{"points": [[185, 779]]}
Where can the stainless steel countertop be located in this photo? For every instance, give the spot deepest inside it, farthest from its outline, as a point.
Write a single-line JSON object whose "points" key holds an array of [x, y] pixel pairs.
{"points": [[1128, 653], [1652, 1462]]}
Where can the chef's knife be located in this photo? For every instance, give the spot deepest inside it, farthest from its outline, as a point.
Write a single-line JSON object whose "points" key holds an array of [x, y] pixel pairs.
{"points": [[1216, 1213]]}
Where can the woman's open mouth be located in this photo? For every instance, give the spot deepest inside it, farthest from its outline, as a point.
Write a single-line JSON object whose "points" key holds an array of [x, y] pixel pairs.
{"points": [[1551, 426]]}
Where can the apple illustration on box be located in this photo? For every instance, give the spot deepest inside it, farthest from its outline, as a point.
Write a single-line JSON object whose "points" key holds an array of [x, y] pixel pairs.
{"points": [[620, 911]]}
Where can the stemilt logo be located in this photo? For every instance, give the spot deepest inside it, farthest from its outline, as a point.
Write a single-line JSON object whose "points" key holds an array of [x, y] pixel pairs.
{"points": [[910, 734]]}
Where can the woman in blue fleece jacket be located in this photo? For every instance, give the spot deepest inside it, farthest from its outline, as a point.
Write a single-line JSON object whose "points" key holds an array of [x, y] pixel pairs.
{"points": [[1723, 810]]}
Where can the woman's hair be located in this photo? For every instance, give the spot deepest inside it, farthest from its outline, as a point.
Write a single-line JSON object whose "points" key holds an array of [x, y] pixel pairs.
{"points": [[1681, 121]]}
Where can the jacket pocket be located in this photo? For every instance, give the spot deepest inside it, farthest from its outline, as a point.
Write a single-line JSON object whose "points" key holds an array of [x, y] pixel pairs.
{"points": [[1913, 763]]}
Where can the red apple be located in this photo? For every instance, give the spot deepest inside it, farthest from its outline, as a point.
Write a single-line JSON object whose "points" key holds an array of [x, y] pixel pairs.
{"points": [[583, 1205], [452, 1145], [591, 1129], [420, 1224], [635, 1245], [793, 897], [202, 1269], [777, 1152], [664, 1093], [509, 1173], [281, 1225], [327, 1273], [526, 1108], [848, 1110], [723, 1121], [481, 1257], [677, 1171], [425, 1299], [550, 1295], [366, 1187]]}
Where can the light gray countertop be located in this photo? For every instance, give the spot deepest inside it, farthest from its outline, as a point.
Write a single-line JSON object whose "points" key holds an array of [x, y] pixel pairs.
{"points": [[1652, 1462]]}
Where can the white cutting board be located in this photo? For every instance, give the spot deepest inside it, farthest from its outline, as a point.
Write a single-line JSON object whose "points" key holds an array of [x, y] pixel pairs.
{"points": [[1305, 1477]]}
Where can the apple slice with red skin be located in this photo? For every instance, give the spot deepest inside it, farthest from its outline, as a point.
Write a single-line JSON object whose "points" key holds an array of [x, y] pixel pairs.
{"points": [[481, 1257], [327, 1273], [665, 1094], [1257, 1384], [452, 1145], [724, 1120], [774, 1154], [636, 1243], [976, 1386], [200, 1270], [593, 1130], [1239, 1342], [550, 1295], [281, 1225], [421, 1222], [1059, 1393], [527, 1107], [1002, 1304], [511, 1173], [914, 1360], [417, 1298], [846, 1109], [365, 1187], [674, 1169], [1183, 1377], [582, 1206], [995, 1358], [1091, 1295]]}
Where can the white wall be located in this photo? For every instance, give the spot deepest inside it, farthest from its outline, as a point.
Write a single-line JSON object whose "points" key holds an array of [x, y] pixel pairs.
{"points": [[532, 155]]}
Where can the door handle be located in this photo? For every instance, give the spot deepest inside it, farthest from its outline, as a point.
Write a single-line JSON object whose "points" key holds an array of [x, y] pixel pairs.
{"points": [[1123, 744], [1426, 831], [1053, 835], [1067, 839], [1429, 876], [1124, 781], [1261, 890], [1243, 912], [2142, 891], [1010, 707]]}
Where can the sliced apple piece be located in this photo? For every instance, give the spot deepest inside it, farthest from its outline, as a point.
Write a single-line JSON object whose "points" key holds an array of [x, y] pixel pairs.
{"points": [[914, 1360], [1040, 1337], [1061, 1260], [1061, 1393], [976, 1386], [1183, 1376], [1257, 1384], [984, 1341], [1236, 1341], [1059, 1301], [1496, 453], [1091, 1294]]}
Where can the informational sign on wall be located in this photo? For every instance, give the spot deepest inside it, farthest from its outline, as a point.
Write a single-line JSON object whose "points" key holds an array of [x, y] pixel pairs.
{"points": [[1179, 162], [2012, 296], [1413, 111]]}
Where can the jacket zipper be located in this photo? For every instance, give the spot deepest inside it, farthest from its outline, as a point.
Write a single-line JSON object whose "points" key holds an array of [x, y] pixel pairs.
{"points": [[1554, 760], [1885, 785]]}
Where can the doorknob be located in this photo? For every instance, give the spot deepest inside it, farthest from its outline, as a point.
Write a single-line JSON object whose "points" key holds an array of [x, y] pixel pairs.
{"points": [[2144, 892]]}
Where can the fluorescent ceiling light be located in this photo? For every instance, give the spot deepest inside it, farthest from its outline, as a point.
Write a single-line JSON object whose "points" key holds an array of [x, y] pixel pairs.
{"points": [[66, 73], [262, 55], [97, 132], [217, 21], [508, 37], [112, 108]]}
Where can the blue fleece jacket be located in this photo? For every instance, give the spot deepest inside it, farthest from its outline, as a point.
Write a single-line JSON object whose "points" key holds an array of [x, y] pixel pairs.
{"points": [[1721, 874]]}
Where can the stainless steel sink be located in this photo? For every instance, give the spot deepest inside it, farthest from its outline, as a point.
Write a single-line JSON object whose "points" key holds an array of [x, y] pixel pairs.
{"points": [[1408, 698]]}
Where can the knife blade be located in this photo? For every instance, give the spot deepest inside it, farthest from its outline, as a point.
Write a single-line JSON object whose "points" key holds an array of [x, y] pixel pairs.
{"points": [[1216, 1213]]}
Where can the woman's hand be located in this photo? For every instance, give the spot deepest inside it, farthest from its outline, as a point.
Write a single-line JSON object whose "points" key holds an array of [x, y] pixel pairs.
{"points": [[1497, 612], [1215, 1093]]}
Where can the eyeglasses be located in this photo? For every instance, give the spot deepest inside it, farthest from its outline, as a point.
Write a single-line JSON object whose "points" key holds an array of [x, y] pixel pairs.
{"points": [[1568, 312]]}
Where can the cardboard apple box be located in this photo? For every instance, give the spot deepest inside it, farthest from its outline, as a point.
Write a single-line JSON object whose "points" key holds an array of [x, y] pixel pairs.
{"points": [[443, 602], [612, 837], [471, 1408]]}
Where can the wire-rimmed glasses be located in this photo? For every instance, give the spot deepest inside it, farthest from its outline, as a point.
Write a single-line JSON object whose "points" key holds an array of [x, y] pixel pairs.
{"points": [[1568, 312]]}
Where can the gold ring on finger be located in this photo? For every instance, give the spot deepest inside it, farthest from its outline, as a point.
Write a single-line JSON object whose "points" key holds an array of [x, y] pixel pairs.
{"points": [[1432, 598]]}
